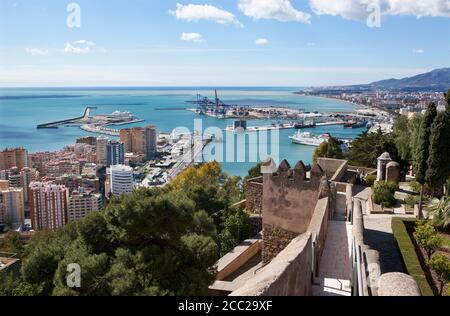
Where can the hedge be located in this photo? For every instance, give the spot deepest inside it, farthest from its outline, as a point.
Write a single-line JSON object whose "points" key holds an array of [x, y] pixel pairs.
{"points": [[409, 254]]}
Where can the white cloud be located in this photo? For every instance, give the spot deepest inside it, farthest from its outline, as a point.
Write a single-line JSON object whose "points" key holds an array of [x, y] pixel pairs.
{"points": [[261, 41], [197, 12], [281, 10], [84, 42], [79, 47], [37, 51], [192, 37], [361, 9], [418, 51]]}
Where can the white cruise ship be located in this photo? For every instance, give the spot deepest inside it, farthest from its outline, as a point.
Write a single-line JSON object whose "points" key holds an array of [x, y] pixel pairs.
{"points": [[308, 139]]}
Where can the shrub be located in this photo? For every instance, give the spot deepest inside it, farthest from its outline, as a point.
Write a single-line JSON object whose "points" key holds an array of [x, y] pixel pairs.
{"points": [[428, 238], [409, 255], [384, 192], [370, 180], [411, 200], [439, 211], [441, 265]]}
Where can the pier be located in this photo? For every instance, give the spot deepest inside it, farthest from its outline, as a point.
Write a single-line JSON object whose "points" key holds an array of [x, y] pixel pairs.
{"points": [[86, 115], [280, 126], [97, 124]]}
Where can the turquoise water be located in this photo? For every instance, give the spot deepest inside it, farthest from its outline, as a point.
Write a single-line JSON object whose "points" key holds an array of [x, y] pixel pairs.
{"points": [[22, 109]]}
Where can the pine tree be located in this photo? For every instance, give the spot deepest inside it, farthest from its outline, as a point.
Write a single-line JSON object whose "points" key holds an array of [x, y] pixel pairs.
{"points": [[438, 167], [423, 148]]}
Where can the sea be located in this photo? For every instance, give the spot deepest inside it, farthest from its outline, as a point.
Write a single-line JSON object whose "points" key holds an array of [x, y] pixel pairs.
{"points": [[21, 110]]}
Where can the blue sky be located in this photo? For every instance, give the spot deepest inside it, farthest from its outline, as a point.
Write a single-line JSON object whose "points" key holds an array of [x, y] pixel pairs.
{"points": [[224, 42]]}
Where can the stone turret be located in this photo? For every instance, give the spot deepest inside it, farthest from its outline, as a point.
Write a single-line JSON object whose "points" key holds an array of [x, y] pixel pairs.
{"points": [[383, 160], [289, 201], [393, 172]]}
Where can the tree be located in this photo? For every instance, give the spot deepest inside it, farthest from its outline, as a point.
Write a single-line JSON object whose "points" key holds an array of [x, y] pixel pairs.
{"points": [[441, 265], [384, 192], [438, 169], [237, 228], [402, 137], [428, 238], [366, 149], [422, 151], [439, 211], [12, 243], [414, 130], [330, 149], [143, 243]]}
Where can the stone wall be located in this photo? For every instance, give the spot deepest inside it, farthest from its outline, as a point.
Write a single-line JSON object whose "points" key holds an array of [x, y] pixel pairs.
{"points": [[289, 201], [253, 195], [333, 168], [289, 274], [275, 240]]}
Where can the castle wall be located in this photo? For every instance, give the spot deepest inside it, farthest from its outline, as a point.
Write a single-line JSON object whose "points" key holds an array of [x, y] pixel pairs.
{"points": [[253, 195], [289, 201]]}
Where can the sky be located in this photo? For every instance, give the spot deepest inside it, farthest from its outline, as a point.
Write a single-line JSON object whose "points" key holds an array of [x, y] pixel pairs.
{"points": [[295, 43]]}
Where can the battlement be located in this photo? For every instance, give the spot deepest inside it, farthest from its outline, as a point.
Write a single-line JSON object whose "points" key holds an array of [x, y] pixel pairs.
{"points": [[288, 202]]}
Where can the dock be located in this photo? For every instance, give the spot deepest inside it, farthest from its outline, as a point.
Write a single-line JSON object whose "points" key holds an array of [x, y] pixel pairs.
{"points": [[56, 124], [265, 128]]}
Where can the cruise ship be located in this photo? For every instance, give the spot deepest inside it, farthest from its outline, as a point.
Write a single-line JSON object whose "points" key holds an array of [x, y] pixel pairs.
{"points": [[308, 139]]}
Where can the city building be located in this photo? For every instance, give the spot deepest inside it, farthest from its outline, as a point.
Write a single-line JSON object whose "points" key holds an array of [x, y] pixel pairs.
{"points": [[83, 202], [48, 205], [115, 153], [102, 150], [20, 179], [121, 180], [63, 166], [89, 140], [151, 141], [140, 140], [16, 157], [12, 207], [74, 181]]}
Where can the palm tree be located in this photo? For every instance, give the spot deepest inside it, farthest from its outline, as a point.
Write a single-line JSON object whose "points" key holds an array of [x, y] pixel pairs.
{"points": [[439, 211]]}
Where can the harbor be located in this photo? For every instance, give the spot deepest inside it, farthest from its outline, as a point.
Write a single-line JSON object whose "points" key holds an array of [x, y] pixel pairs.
{"points": [[98, 124]]}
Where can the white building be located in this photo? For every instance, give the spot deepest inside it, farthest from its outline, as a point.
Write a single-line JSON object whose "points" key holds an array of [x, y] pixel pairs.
{"points": [[121, 180]]}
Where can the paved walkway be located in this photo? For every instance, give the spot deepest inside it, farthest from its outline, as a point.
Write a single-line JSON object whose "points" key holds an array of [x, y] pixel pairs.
{"points": [[378, 235], [335, 266]]}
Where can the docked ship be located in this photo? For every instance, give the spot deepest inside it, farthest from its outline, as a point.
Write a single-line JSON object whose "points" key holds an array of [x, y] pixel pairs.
{"points": [[356, 124], [301, 124], [308, 139]]}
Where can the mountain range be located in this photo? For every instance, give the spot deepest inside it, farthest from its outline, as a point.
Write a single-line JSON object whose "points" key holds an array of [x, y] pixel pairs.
{"points": [[438, 79]]}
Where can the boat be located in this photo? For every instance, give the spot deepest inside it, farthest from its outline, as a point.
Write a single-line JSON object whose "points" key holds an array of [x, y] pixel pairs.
{"points": [[356, 124], [309, 139], [305, 124]]}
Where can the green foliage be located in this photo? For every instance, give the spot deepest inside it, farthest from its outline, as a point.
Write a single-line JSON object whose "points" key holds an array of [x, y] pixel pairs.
{"points": [[428, 238], [149, 242], [441, 265], [370, 180], [402, 137], [254, 172], [414, 125], [330, 149], [438, 166], [366, 149], [422, 151], [409, 255], [237, 227], [439, 211], [12, 243], [384, 192], [411, 200]]}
